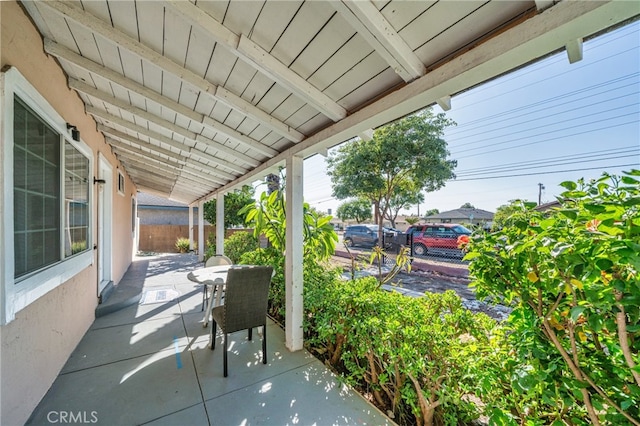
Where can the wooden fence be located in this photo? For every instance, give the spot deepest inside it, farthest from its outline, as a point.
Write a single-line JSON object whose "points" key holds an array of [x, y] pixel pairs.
{"points": [[162, 238]]}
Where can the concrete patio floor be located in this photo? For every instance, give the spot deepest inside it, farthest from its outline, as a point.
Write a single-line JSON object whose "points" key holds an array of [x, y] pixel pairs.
{"points": [[149, 363]]}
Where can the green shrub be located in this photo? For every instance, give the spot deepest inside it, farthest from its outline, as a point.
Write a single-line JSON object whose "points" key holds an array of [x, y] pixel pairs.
{"points": [[239, 243], [182, 244], [573, 278], [417, 357], [234, 245]]}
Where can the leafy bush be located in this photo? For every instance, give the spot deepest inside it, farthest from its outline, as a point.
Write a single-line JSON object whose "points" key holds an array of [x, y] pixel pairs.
{"points": [[267, 217], [415, 357], [572, 277], [235, 246], [182, 244]]}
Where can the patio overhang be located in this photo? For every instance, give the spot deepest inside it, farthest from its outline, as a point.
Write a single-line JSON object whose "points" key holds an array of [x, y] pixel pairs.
{"points": [[200, 98]]}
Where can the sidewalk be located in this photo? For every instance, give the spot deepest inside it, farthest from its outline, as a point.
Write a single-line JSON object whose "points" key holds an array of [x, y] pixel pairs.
{"points": [[149, 363]]}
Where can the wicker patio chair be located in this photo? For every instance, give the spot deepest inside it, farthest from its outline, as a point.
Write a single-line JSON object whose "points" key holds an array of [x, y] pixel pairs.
{"points": [[245, 305], [215, 260]]}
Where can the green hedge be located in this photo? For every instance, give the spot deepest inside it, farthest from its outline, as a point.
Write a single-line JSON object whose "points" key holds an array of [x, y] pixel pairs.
{"points": [[417, 358]]}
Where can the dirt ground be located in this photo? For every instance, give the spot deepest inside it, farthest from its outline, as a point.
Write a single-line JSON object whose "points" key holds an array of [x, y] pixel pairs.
{"points": [[416, 283]]}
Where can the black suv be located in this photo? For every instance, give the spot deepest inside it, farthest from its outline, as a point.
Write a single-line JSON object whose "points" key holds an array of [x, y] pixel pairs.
{"points": [[361, 235]]}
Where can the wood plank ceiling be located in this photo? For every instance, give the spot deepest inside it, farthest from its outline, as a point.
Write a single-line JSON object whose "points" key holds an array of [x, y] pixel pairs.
{"points": [[195, 96]]}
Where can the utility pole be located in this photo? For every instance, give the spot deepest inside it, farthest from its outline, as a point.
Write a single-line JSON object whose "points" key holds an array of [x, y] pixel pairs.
{"points": [[540, 188]]}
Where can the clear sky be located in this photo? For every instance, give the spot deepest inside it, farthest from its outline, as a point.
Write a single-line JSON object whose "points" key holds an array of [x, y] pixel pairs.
{"points": [[546, 123]]}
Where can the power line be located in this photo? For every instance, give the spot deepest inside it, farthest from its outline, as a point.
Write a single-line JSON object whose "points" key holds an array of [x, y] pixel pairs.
{"points": [[598, 113], [557, 164], [546, 110], [573, 69], [546, 140], [464, 127], [549, 172], [623, 150]]}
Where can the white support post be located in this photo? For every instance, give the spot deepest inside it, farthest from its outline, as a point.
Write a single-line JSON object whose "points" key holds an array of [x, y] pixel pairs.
{"points": [[190, 227], [220, 223], [201, 241], [294, 252]]}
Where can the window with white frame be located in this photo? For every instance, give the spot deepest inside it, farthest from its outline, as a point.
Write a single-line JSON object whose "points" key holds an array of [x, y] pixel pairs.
{"points": [[41, 158], [47, 197], [36, 191], [120, 183]]}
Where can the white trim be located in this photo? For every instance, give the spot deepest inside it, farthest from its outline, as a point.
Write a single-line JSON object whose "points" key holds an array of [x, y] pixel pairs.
{"points": [[135, 225], [293, 261], [105, 223], [121, 188], [371, 24], [219, 223], [19, 294]]}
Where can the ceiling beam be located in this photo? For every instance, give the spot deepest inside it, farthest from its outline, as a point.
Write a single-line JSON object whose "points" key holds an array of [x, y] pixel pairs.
{"points": [[165, 171], [61, 52], [94, 24], [185, 166], [238, 137], [574, 50], [367, 20], [140, 169], [68, 55], [124, 137], [153, 155], [534, 38], [148, 190], [197, 168], [137, 172], [281, 74], [444, 102], [259, 58], [81, 87], [237, 103], [110, 118]]}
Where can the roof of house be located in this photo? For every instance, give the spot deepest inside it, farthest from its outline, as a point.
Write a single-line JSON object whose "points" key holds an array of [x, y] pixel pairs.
{"points": [[150, 200], [463, 214], [547, 206]]}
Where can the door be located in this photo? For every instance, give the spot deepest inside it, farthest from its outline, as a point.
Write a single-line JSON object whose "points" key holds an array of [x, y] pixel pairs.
{"points": [[105, 194]]}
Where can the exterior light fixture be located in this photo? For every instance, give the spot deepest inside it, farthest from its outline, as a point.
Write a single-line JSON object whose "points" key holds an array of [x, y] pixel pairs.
{"points": [[75, 133]]}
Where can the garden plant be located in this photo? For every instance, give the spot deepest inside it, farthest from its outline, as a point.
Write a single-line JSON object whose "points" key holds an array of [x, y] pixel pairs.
{"points": [[572, 277], [567, 354]]}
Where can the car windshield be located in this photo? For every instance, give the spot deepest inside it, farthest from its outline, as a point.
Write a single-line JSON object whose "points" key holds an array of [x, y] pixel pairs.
{"points": [[461, 229]]}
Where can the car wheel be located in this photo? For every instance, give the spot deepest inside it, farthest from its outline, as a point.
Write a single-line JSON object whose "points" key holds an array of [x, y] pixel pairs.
{"points": [[348, 242], [419, 250]]}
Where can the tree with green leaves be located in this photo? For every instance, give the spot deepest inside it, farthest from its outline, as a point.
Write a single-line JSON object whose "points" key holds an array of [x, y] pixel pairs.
{"points": [[403, 198], [467, 205], [412, 220], [411, 149], [431, 212], [233, 203], [505, 211], [358, 210]]}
